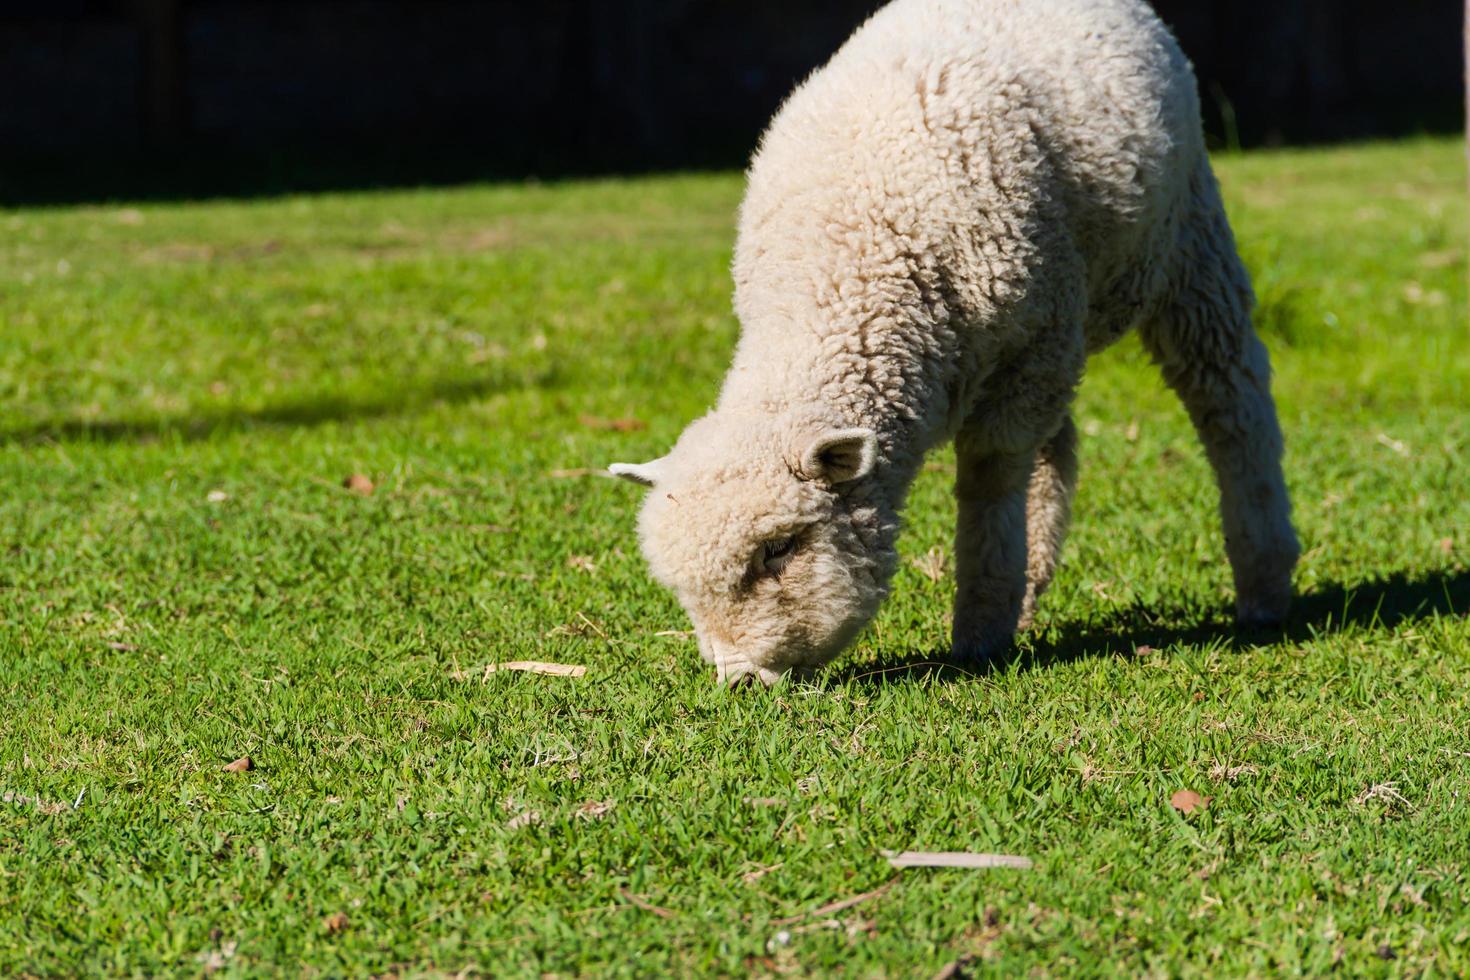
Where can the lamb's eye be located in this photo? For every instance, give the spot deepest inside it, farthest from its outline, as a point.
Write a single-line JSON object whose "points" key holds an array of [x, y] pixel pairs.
{"points": [[775, 554]]}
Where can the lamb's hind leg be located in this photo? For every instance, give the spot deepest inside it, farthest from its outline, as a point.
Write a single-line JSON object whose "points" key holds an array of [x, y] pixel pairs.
{"points": [[1048, 513], [1211, 356]]}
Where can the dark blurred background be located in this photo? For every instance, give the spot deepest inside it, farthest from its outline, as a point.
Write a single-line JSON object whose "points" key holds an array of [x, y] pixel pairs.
{"points": [[176, 98]]}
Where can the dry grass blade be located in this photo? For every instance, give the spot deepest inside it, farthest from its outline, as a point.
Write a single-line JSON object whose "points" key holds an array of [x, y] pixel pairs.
{"points": [[646, 905], [763, 801], [751, 877], [955, 859], [931, 564], [1220, 772], [1383, 791], [831, 907], [48, 808], [538, 667]]}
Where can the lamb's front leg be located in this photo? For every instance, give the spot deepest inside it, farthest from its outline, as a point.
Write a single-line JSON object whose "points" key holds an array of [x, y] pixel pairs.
{"points": [[990, 549]]}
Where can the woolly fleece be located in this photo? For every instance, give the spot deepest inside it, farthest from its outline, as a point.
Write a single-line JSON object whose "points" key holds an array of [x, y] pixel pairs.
{"points": [[939, 226]]}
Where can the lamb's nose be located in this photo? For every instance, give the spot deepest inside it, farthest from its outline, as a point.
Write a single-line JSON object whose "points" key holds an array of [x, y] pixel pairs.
{"points": [[741, 674]]}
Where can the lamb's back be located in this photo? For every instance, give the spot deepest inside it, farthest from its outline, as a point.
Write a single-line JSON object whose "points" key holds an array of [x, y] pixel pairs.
{"points": [[976, 120]]}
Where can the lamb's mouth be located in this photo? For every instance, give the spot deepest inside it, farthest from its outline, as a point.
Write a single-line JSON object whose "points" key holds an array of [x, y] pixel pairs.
{"points": [[739, 673]]}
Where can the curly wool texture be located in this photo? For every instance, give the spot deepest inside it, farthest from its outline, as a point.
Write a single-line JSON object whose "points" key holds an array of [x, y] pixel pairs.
{"points": [[940, 225]]}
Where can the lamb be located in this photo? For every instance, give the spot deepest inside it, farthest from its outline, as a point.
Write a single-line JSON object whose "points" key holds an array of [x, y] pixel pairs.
{"points": [[939, 227]]}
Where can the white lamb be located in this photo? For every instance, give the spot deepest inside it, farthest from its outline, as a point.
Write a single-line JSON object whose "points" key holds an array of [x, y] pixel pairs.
{"points": [[940, 226]]}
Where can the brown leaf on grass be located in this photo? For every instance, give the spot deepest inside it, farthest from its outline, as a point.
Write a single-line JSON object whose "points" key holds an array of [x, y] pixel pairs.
{"points": [[242, 764], [594, 809], [1186, 801], [526, 819], [582, 563], [1446, 545], [121, 647], [612, 425], [360, 484], [538, 667], [335, 923], [646, 905], [955, 859]]}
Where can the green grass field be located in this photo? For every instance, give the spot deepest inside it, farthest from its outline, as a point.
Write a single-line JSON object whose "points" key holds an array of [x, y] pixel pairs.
{"points": [[184, 388]]}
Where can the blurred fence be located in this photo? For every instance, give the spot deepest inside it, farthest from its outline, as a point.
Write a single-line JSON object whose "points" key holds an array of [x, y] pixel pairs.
{"points": [[615, 84]]}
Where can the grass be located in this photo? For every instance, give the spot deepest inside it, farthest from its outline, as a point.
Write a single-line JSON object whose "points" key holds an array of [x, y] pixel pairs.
{"points": [[183, 389]]}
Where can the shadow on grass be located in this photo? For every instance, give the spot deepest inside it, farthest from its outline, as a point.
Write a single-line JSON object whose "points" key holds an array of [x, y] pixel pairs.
{"points": [[1331, 608], [301, 413]]}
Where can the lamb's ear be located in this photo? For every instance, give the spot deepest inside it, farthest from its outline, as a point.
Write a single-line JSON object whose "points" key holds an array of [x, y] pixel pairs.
{"points": [[840, 455], [643, 474]]}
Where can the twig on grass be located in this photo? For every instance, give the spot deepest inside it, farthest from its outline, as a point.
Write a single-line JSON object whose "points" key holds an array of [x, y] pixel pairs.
{"points": [[838, 906], [955, 968], [537, 667], [955, 859], [751, 877], [646, 905]]}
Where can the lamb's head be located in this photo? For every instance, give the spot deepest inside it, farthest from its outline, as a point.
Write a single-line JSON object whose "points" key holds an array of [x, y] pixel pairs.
{"points": [[773, 533]]}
